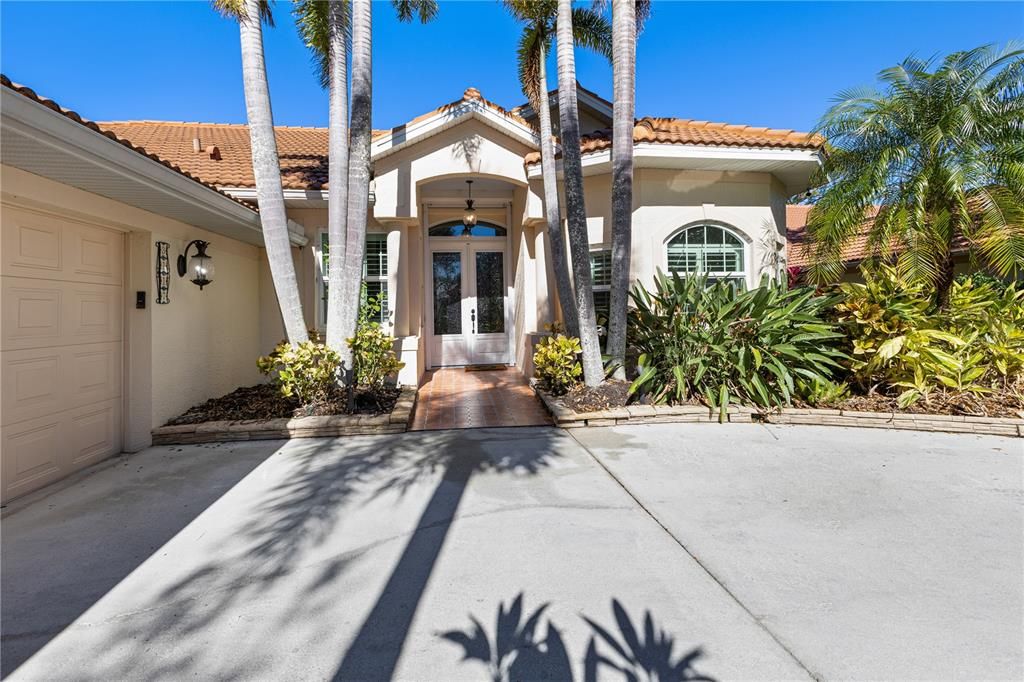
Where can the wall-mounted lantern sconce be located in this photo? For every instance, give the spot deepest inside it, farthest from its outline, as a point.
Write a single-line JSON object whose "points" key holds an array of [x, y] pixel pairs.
{"points": [[199, 267]]}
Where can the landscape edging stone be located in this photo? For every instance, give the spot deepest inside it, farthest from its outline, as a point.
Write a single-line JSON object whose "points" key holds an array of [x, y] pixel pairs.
{"points": [[567, 418], [396, 421]]}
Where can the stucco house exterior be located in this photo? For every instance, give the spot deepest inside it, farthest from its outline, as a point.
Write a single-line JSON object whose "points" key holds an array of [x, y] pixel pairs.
{"points": [[93, 359]]}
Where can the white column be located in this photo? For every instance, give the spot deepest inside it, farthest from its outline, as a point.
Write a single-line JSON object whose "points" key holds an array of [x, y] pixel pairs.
{"points": [[398, 299]]}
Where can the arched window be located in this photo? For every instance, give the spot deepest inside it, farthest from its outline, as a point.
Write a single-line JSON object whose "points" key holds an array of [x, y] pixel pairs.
{"points": [[708, 250], [457, 229]]}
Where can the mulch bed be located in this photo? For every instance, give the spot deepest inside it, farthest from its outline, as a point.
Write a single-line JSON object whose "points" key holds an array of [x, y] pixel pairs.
{"points": [[609, 394], [264, 401], [1007, 403], [996, 404]]}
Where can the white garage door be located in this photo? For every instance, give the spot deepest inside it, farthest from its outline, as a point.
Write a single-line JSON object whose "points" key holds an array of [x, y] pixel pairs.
{"points": [[60, 344]]}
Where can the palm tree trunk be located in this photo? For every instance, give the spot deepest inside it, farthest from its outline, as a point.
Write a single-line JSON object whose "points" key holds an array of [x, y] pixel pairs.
{"points": [[624, 74], [563, 283], [358, 177], [337, 189], [576, 212], [944, 281], [267, 171]]}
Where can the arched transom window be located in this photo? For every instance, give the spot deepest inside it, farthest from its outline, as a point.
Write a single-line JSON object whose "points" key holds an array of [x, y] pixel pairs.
{"points": [[708, 250], [457, 229]]}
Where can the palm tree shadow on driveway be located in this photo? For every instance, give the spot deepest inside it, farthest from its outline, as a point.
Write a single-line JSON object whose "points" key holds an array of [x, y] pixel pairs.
{"points": [[269, 539], [374, 653]]}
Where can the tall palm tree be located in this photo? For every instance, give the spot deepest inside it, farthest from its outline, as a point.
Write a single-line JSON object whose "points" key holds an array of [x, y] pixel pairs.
{"points": [[576, 212], [627, 18], [359, 159], [938, 156], [324, 28], [358, 178], [589, 30], [266, 167]]}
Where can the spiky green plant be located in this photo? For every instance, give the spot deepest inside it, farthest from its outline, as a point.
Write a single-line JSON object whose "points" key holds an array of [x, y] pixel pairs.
{"points": [[727, 345]]}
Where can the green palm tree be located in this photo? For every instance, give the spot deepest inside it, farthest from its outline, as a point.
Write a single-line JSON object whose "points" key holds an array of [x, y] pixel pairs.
{"points": [[327, 27], [266, 167], [939, 156], [358, 180], [591, 31], [359, 161], [325, 30], [575, 209], [627, 18]]}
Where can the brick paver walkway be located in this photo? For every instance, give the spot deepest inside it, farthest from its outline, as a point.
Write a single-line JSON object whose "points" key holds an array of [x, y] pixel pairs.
{"points": [[453, 398]]}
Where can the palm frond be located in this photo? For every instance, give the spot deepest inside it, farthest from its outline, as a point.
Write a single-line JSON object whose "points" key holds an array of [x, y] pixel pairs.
{"points": [[528, 56], [916, 166], [407, 10], [592, 31], [235, 9], [312, 18], [641, 10]]}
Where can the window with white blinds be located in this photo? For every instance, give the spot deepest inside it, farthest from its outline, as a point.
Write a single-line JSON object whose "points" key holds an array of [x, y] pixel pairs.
{"points": [[375, 274], [601, 281], [708, 250]]}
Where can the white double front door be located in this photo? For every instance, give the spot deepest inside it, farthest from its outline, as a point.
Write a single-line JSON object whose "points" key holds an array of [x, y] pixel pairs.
{"points": [[468, 317]]}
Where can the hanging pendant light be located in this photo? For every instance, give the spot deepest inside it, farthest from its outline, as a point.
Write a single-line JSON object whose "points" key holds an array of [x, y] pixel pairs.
{"points": [[469, 215]]}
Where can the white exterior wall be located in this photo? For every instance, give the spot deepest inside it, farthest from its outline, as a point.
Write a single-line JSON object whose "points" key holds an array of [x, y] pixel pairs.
{"points": [[200, 345], [666, 201], [470, 148]]}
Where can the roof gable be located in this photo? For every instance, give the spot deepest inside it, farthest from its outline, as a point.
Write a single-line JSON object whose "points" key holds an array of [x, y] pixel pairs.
{"points": [[471, 105]]}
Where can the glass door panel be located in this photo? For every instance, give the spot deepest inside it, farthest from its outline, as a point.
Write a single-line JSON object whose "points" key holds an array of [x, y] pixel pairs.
{"points": [[490, 292], [447, 268]]}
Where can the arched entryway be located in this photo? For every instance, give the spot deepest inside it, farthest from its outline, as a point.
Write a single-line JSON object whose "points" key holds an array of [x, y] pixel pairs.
{"points": [[468, 283]]}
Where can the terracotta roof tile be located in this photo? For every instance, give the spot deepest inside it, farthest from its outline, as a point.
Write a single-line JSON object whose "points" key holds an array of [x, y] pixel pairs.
{"points": [[302, 150], [798, 240], [688, 131], [111, 132], [219, 154]]}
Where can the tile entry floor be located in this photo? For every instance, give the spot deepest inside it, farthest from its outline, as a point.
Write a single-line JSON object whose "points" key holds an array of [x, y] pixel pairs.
{"points": [[452, 398]]}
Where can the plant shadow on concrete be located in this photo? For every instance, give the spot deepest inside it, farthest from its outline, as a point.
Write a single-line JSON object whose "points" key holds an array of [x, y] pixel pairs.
{"points": [[519, 652], [104, 530], [288, 537]]}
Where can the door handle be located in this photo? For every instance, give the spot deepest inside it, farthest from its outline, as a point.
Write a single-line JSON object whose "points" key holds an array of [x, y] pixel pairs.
{"points": [[472, 317]]}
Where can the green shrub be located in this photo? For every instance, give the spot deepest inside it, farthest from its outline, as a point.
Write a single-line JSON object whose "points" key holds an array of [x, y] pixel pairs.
{"points": [[306, 371], [980, 278], [993, 312], [900, 340], [373, 351], [822, 393], [725, 344], [555, 365]]}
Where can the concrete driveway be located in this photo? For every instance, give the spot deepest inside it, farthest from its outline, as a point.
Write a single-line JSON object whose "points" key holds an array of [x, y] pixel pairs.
{"points": [[689, 550]]}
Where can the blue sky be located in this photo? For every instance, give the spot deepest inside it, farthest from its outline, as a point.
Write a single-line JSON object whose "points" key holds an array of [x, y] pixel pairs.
{"points": [[775, 64]]}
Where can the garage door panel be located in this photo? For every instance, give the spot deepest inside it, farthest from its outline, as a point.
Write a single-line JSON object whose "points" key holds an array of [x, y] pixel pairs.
{"points": [[95, 432], [94, 374], [94, 313], [45, 246], [32, 314], [30, 247], [95, 255], [31, 384], [61, 362], [41, 381], [39, 314], [31, 454]]}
